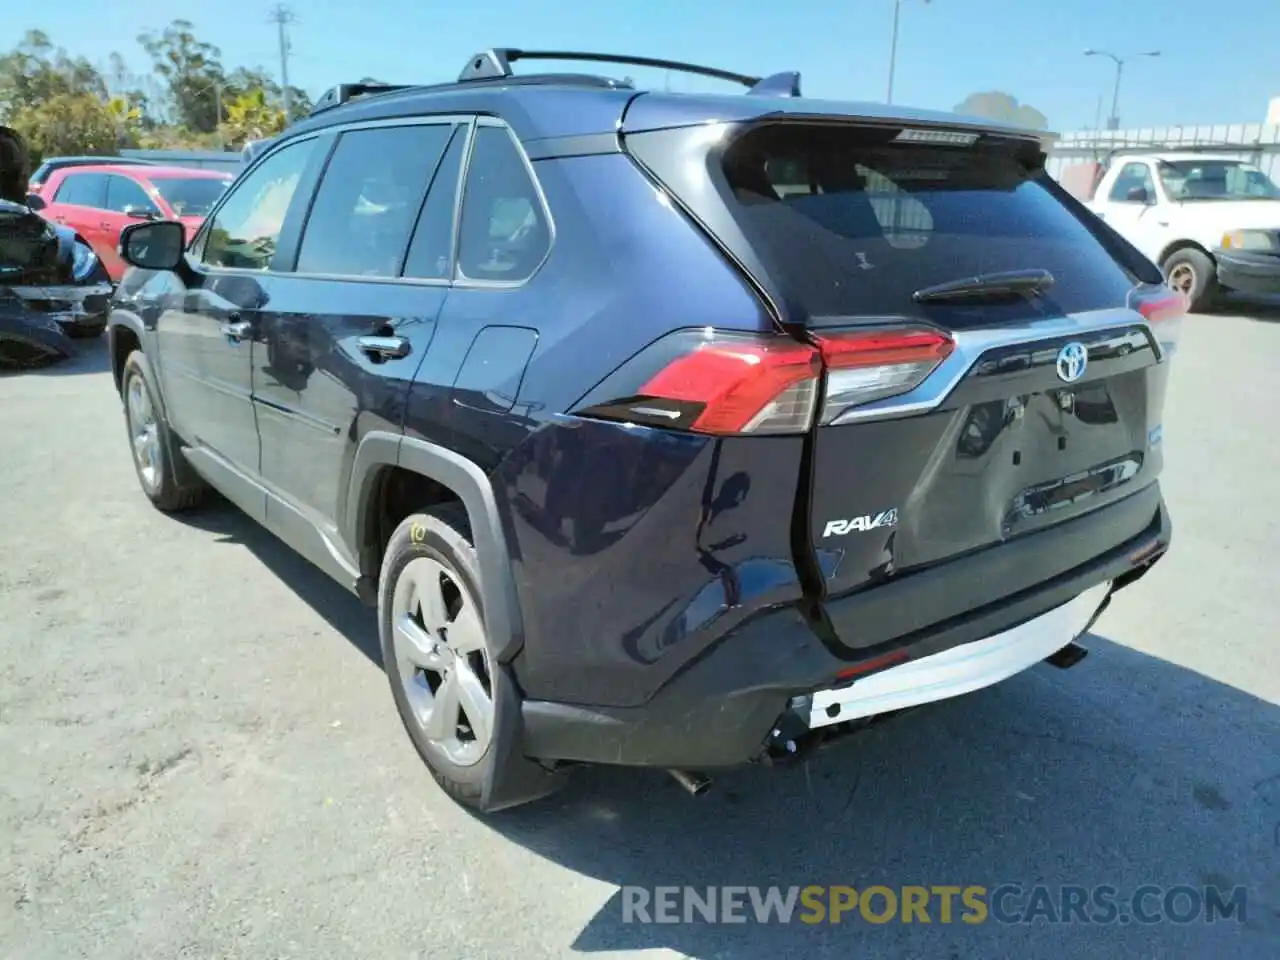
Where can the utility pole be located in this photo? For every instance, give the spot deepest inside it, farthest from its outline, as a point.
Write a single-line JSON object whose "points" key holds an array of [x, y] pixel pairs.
{"points": [[893, 47], [1113, 122], [282, 16]]}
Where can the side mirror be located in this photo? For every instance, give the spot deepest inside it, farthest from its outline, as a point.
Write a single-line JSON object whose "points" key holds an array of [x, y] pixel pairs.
{"points": [[1138, 195], [154, 245], [35, 202], [141, 213]]}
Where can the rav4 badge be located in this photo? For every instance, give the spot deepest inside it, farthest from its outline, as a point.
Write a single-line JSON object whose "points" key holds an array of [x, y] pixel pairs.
{"points": [[868, 521]]}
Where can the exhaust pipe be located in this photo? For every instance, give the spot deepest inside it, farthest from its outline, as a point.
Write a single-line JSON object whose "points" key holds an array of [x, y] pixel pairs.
{"points": [[1068, 656], [695, 784]]}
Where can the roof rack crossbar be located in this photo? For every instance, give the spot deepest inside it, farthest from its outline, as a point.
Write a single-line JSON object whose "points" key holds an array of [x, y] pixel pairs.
{"points": [[497, 62], [345, 92]]}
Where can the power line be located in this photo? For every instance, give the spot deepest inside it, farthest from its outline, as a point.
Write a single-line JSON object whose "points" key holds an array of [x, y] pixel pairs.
{"points": [[282, 16]]}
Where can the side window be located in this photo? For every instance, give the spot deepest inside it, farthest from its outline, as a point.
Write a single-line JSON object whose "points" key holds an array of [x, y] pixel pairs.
{"points": [[1134, 177], [504, 232], [123, 192], [431, 250], [368, 200], [83, 189], [245, 228]]}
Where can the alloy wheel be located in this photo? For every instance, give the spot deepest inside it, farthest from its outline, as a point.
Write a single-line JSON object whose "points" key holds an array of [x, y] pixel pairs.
{"points": [[144, 431], [1182, 278], [442, 660]]}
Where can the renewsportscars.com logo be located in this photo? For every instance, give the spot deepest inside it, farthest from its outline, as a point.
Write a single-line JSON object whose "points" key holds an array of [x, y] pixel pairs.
{"points": [[970, 904]]}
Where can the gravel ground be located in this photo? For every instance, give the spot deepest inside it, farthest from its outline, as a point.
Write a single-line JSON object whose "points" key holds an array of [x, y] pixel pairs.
{"points": [[199, 756]]}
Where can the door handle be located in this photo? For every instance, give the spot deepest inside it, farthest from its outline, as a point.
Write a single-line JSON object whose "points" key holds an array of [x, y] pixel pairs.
{"points": [[236, 330], [385, 348]]}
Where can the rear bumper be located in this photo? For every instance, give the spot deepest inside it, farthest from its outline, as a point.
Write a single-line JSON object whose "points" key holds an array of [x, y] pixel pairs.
{"points": [[70, 305], [1251, 274], [775, 674]]}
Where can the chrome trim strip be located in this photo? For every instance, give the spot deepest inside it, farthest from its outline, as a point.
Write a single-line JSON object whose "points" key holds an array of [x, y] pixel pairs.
{"points": [[972, 344]]}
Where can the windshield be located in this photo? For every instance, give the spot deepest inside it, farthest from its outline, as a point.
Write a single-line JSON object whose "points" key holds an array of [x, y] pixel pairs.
{"points": [[193, 197], [1215, 180]]}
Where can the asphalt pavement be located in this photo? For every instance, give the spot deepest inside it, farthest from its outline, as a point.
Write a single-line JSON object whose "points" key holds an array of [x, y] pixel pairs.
{"points": [[199, 756]]}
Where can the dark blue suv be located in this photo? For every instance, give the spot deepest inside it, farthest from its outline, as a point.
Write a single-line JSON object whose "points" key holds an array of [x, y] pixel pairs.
{"points": [[663, 430]]}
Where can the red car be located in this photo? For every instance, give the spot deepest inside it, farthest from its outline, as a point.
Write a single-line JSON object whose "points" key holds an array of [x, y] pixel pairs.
{"points": [[99, 201]]}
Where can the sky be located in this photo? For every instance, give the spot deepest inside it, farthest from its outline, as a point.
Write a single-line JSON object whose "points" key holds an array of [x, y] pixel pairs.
{"points": [[1218, 62]]}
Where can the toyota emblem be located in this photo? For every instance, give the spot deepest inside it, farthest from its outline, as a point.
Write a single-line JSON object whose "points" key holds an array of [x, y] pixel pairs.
{"points": [[1072, 361]]}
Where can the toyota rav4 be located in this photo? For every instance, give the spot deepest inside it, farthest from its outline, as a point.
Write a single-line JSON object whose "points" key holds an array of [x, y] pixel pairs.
{"points": [[672, 431]]}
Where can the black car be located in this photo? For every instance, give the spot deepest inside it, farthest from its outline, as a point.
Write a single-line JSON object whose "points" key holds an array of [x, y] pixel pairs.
{"points": [[46, 169], [675, 431], [52, 285]]}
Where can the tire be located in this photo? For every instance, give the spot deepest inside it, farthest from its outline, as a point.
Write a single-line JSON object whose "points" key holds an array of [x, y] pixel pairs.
{"points": [[153, 446], [78, 331], [427, 647], [1193, 273]]}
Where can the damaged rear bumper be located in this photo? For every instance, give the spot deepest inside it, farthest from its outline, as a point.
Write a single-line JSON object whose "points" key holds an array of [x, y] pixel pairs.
{"points": [[774, 682]]}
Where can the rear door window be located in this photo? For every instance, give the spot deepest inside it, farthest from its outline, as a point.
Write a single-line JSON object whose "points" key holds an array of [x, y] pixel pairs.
{"points": [[849, 223], [368, 200], [431, 250], [83, 190]]}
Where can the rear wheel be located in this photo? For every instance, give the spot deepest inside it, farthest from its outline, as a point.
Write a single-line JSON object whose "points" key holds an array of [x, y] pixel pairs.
{"points": [[1192, 273], [435, 648], [153, 444]]}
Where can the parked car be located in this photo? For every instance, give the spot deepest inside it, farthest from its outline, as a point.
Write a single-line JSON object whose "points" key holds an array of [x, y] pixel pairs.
{"points": [[665, 431], [100, 201], [43, 172], [52, 286], [1212, 222]]}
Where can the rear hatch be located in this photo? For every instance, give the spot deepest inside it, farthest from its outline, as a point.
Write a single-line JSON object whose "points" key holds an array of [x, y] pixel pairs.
{"points": [[992, 358]]}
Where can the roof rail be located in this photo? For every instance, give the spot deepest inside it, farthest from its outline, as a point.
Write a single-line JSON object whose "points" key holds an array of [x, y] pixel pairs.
{"points": [[496, 64], [345, 92]]}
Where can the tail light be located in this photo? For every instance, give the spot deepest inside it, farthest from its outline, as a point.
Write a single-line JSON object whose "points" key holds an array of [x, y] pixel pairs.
{"points": [[724, 384], [1163, 309], [867, 366]]}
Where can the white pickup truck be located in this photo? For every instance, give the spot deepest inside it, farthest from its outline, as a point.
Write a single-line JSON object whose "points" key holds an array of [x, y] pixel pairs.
{"points": [[1212, 223]]}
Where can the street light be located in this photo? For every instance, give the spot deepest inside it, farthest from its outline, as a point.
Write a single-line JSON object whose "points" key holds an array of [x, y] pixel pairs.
{"points": [[893, 46], [1113, 123]]}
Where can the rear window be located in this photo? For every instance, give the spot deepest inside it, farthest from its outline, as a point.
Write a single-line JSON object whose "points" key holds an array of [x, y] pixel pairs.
{"points": [[850, 224]]}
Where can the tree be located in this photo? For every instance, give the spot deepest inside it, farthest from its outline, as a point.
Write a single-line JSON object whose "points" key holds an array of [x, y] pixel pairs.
{"points": [[35, 71], [67, 123], [995, 105], [250, 116], [193, 71]]}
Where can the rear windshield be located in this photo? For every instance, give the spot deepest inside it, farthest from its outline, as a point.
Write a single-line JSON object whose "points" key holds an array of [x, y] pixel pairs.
{"points": [[192, 197], [850, 223]]}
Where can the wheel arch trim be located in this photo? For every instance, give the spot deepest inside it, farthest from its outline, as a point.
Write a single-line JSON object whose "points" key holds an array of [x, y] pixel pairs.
{"points": [[379, 450]]}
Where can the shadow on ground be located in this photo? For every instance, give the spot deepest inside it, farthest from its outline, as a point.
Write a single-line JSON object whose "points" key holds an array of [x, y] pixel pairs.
{"points": [[340, 609], [90, 357], [1262, 310], [1126, 771]]}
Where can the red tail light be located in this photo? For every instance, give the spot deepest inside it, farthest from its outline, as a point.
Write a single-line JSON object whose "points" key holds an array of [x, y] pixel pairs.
{"points": [[1163, 309], [717, 383], [1160, 305], [762, 387], [865, 366]]}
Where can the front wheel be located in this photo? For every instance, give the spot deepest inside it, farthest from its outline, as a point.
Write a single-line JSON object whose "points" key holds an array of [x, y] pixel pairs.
{"points": [[153, 445], [1193, 274]]}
